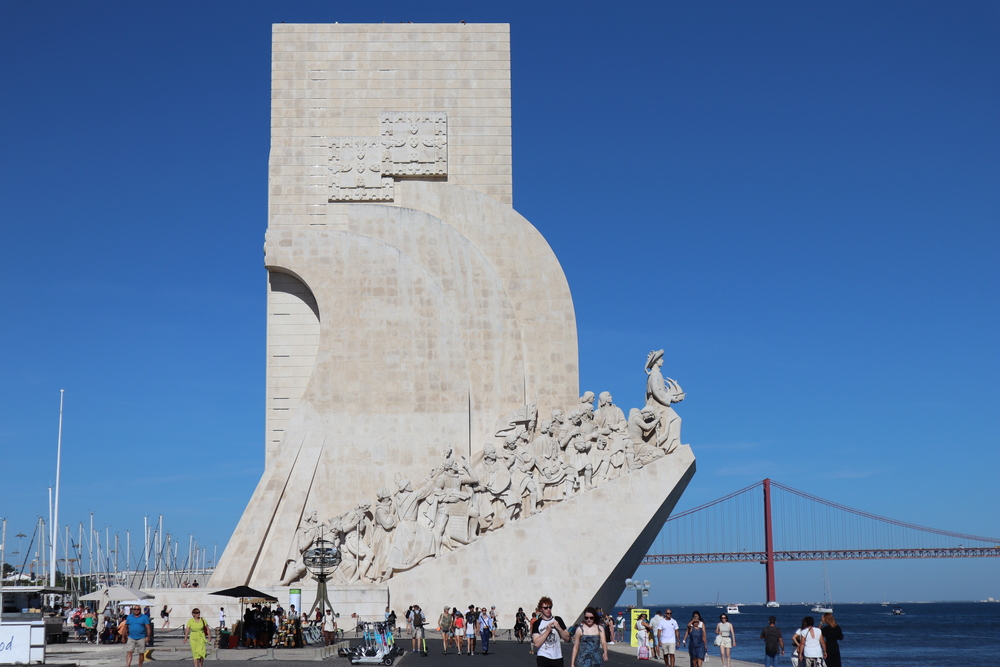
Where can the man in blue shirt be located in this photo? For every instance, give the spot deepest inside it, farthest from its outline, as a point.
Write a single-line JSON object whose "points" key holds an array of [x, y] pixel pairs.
{"points": [[138, 629]]}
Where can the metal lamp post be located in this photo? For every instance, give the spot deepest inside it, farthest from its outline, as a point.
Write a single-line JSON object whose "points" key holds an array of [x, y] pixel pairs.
{"points": [[641, 589]]}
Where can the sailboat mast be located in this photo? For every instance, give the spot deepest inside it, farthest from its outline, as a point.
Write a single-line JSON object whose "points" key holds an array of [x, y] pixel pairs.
{"points": [[3, 559]]}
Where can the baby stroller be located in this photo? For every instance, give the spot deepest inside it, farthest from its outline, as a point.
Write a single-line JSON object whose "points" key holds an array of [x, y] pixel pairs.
{"points": [[378, 647]]}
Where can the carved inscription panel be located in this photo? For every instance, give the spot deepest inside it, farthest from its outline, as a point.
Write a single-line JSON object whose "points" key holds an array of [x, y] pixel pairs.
{"points": [[417, 143], [356, 166], [413, 143]]}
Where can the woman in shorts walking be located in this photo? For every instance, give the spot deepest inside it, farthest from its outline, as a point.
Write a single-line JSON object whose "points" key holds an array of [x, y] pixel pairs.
{"points": [[725, 638]]}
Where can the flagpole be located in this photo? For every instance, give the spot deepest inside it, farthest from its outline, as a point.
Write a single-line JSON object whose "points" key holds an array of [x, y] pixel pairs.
{"points": [[55, 518]]}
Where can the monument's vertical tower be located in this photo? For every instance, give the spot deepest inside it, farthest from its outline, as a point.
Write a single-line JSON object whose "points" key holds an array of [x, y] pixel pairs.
{"points": [[409, 306], [336, 81]]}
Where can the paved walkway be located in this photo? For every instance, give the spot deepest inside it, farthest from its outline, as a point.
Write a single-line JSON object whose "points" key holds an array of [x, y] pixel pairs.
{"points": [[170, 648], [504, 653]]}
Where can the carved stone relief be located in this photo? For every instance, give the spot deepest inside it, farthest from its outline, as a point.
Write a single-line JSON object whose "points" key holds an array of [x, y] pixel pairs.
{"points": [[529, 468], [412, 144], [416, 143], [356, 165]]}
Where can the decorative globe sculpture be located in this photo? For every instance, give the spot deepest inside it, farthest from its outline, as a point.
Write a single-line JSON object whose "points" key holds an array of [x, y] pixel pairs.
{"points": [[321, 561]]}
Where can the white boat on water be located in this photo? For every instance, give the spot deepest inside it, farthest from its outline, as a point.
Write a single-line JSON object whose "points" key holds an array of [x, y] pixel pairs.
{"points": [[824, 607], [733, 609], [773, 604]]}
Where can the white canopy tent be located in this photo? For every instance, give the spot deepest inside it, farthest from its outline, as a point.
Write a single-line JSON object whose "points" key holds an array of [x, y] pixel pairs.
{"points": [[116, 594]]}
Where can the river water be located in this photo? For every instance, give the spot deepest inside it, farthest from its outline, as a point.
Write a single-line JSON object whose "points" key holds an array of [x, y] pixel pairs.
{"points": [[929, 634]]}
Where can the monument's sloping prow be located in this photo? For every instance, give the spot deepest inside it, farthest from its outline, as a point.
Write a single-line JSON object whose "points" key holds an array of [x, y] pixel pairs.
{"points": [[579, 552]]}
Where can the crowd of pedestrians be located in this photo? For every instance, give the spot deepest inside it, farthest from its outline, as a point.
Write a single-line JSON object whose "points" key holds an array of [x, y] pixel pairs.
{"points": [[660, 636], [459, 629], [106, 627], [472, 631]]}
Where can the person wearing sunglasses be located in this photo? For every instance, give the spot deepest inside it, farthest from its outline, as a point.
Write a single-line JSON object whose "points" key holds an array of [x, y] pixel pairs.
{"points": [[699, 639], [667, 633], [197, 634], [137, 632], [546, 632], [590, 647], [642, 633], [725, 638]]}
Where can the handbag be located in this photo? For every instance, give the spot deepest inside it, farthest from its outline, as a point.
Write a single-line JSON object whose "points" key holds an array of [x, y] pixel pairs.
{"points": [[718, 640]]}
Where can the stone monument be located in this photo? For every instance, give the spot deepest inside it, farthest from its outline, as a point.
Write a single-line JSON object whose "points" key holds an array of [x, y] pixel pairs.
{"points": [[423, 407]]}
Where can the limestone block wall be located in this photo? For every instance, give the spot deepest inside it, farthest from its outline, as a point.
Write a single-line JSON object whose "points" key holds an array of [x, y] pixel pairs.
{"points": [[397, 329], [330, 80], [532, 277], [292, 343]]}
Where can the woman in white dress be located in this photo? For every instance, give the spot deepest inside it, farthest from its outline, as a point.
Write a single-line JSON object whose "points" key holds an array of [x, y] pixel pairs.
{"points": [[642, 629]]}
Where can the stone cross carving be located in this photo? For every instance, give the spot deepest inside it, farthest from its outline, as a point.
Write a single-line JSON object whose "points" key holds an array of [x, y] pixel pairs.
{"points": [[411, 144]]}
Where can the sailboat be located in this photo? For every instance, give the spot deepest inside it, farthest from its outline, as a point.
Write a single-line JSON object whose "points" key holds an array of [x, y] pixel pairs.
{"points": [[826, 607]]}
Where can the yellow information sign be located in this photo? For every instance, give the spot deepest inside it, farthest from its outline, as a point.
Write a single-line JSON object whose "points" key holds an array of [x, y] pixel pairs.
{"points": [[634, 619]]}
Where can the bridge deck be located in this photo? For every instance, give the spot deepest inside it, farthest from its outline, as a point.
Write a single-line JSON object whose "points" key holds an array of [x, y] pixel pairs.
{"points": [[843, 554]]}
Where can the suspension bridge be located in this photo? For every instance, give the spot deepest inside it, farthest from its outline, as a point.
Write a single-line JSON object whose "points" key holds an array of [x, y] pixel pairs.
{"points": [[768, 522]]}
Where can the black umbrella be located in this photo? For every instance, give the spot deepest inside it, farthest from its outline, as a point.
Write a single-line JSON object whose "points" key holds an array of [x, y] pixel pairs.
{"points": [[244, 592]]}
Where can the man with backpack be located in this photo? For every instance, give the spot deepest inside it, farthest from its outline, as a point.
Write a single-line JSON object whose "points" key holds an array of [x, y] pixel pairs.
{"points": [[418, 620]]}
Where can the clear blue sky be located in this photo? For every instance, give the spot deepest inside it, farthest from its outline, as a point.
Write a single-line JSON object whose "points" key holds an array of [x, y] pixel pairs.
{"points": [[799, 201]]}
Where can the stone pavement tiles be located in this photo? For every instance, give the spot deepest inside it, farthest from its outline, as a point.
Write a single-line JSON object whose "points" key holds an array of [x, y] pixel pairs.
{"points": [[502, 654]]}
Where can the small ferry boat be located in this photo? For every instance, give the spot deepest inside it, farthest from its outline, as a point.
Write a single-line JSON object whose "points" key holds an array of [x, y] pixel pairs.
{"points": [[773, 604], [733, 609]]}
